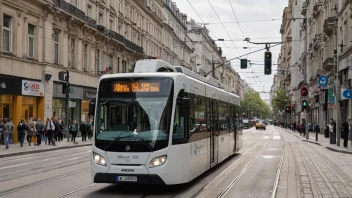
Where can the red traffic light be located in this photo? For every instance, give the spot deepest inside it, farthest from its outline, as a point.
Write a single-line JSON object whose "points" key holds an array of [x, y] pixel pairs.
{"points": [[304, 91]]}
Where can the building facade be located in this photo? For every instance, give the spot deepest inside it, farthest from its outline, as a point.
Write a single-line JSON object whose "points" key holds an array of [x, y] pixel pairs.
{"points": [[41, 38]]}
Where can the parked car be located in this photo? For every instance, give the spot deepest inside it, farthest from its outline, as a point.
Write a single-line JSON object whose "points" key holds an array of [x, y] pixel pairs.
{"points": [[260, 125], [246, 124]]}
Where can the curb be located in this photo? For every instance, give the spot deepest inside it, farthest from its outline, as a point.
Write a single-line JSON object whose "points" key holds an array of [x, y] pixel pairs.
{"points": [[338, 150], [313, 142], [42, 150]]}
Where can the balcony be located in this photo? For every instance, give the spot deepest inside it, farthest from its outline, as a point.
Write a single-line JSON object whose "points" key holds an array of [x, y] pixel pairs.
{"points": [[317, 40], [133, 46], [330, 25], [62, 4], [328, 64], [102, 29], [91, 22], [116, 36], [304, 9]]}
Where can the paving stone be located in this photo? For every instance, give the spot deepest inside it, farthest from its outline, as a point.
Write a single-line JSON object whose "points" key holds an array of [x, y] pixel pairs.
{"points": [[305, 179], [325, 191], [328, 196], [308, 195], [307, 190]]}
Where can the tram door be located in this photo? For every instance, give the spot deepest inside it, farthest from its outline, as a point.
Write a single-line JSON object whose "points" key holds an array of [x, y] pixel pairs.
{"points": [[212, 119]]}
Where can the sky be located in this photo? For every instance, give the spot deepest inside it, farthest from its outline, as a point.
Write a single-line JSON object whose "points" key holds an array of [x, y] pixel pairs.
{"points": [[259, 20]]}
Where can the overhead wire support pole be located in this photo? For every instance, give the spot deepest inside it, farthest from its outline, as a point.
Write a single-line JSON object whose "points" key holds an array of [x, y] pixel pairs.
{"points": [[305, 80]]}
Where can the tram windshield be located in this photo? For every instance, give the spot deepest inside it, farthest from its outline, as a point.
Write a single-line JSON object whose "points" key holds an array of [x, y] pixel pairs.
{"points": [[134, 111]]}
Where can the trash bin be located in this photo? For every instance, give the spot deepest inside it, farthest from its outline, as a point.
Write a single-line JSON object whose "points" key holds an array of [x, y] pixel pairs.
{"points": [[332, 138]]}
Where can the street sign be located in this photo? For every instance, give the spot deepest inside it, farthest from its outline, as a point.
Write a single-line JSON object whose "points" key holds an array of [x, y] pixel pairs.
{"points": [[346, 94], [323, 82]]}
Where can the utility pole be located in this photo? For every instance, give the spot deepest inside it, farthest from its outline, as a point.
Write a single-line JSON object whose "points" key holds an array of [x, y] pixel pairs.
{"points": [[337, 93], [65, 76], [306, 80]]}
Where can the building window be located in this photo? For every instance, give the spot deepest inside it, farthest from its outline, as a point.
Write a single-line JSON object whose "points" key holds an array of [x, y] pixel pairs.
{"points": [[74, 2], [7, 34], [97, 60], [73, 52], [57, 46], [111, 24], [31, 31], [101, 16], [85, 57], [89, 10], [124, 67]]}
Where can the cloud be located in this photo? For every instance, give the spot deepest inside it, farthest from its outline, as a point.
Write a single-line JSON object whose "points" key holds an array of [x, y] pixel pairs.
{"points": [[245, 10]]}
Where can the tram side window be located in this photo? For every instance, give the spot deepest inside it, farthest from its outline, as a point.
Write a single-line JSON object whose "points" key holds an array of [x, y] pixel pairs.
{"points": [[198, 121], [232, 118], [223, 117], [179, 124]]}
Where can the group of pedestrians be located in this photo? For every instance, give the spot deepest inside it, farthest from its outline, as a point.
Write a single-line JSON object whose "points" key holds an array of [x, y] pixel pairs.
{"points": [[51, 131]]}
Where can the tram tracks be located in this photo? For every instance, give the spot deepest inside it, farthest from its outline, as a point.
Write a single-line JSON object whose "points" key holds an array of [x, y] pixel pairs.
{"points": [[40, 182]]}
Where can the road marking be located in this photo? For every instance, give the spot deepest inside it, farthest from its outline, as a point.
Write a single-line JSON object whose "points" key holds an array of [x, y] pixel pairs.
{"points": [[265, 137], [13, 166], [269, 156], [66, 160], [276, 137]]}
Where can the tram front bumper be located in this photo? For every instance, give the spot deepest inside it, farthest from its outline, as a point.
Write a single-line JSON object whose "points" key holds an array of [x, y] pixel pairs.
{"points": [[140, 178]]}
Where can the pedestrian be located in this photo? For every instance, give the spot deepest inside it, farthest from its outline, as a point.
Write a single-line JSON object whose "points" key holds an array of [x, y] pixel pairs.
{"points": [[350, 129], [304, 127], [30, 130], [63, 130], [50, 129], [8, 130], [83, 129], [345, 131], [73, 130], [21, 128], [89, 130], [39, 130], [2, 129]]}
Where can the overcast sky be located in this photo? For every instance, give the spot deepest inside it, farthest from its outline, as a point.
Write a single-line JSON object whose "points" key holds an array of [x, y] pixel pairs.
{"points": [[255, 19]]}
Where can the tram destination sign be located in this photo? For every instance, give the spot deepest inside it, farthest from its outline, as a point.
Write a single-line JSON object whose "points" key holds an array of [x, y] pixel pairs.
{"points": [[128, 87]]}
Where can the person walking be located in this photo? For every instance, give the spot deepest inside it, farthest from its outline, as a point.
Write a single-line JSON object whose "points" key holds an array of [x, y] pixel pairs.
{"points": [[50, 129], [63, 130], [39, 130], [8, 130], [83, 129], [89, 130], [345, 131], [350, 129], [73, 128], [21, 128], [30, 130]]}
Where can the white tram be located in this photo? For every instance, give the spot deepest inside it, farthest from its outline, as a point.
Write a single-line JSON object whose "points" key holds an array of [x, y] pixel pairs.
{"points": [[161, 125]]}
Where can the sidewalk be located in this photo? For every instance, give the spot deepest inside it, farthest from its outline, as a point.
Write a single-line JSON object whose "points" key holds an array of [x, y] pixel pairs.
{"points": [[325, 142], [16, 150]]}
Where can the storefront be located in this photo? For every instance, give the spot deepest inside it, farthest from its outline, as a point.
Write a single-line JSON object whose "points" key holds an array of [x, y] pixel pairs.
{"points": [[20, 98], [59, 103], [88, 95]]}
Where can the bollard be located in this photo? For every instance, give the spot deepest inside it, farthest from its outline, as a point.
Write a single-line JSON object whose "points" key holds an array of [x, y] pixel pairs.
{"points": [[316, 135]]}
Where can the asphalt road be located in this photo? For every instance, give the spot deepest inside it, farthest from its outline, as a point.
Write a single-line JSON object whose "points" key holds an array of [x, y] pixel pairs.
{"points": [[66, 173]]}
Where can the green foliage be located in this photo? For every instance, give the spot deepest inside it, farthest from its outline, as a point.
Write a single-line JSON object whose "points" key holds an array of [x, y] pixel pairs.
{"points": [[280, 101], [253, 103]]}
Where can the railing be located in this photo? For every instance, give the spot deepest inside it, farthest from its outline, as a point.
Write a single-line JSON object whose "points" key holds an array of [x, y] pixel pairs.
{"points": [[70, 9], [91, 22], [133, 46], [116, 36], [102, 29]]}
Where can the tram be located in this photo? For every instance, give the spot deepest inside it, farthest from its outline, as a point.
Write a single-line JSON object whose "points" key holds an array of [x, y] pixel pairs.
{"points": [[161, 124]]}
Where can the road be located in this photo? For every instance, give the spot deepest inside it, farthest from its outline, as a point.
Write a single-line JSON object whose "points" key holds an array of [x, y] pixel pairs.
{"points": [[262, 168]]}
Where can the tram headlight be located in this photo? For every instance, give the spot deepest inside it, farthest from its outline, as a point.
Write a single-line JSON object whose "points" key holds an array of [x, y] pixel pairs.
{"points": [[98, 159], [158, 161]]}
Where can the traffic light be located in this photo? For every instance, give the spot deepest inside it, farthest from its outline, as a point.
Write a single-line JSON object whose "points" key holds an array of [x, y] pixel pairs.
{"points": [[304, 104], [244, 63], [267, 63], [288, 109], [304, 91]]}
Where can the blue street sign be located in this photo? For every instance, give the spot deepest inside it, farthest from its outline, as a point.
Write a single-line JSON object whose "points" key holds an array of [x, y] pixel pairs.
{"points": [[346, 94], [323, 81]]}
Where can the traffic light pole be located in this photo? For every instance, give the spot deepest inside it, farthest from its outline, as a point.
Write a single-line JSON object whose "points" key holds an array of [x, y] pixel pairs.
{"points": [[67, 105], [306, 80]]}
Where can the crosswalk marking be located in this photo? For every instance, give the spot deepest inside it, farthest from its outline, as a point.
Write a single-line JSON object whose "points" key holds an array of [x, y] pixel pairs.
{"points": [[276, 137], [266, 137]]}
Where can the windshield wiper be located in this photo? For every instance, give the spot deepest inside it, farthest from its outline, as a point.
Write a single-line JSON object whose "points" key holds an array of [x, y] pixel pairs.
{"points": [[116, 139], [147, 144]]}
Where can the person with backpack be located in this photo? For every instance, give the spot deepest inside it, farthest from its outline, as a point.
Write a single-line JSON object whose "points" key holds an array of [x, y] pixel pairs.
{"points": [[8, 131], [74, 130]]}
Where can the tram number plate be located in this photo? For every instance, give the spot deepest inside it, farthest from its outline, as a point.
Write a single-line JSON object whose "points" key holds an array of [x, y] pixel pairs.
{"points": [[126, 178]]}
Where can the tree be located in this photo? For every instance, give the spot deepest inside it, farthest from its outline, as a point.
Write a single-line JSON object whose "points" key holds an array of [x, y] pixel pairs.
{"points": [[253, 103], [280, 100]]}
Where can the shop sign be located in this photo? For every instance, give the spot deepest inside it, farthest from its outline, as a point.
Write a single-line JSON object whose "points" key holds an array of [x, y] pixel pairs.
{"points": [[10, 85], [89, 95], [32, 88]]}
